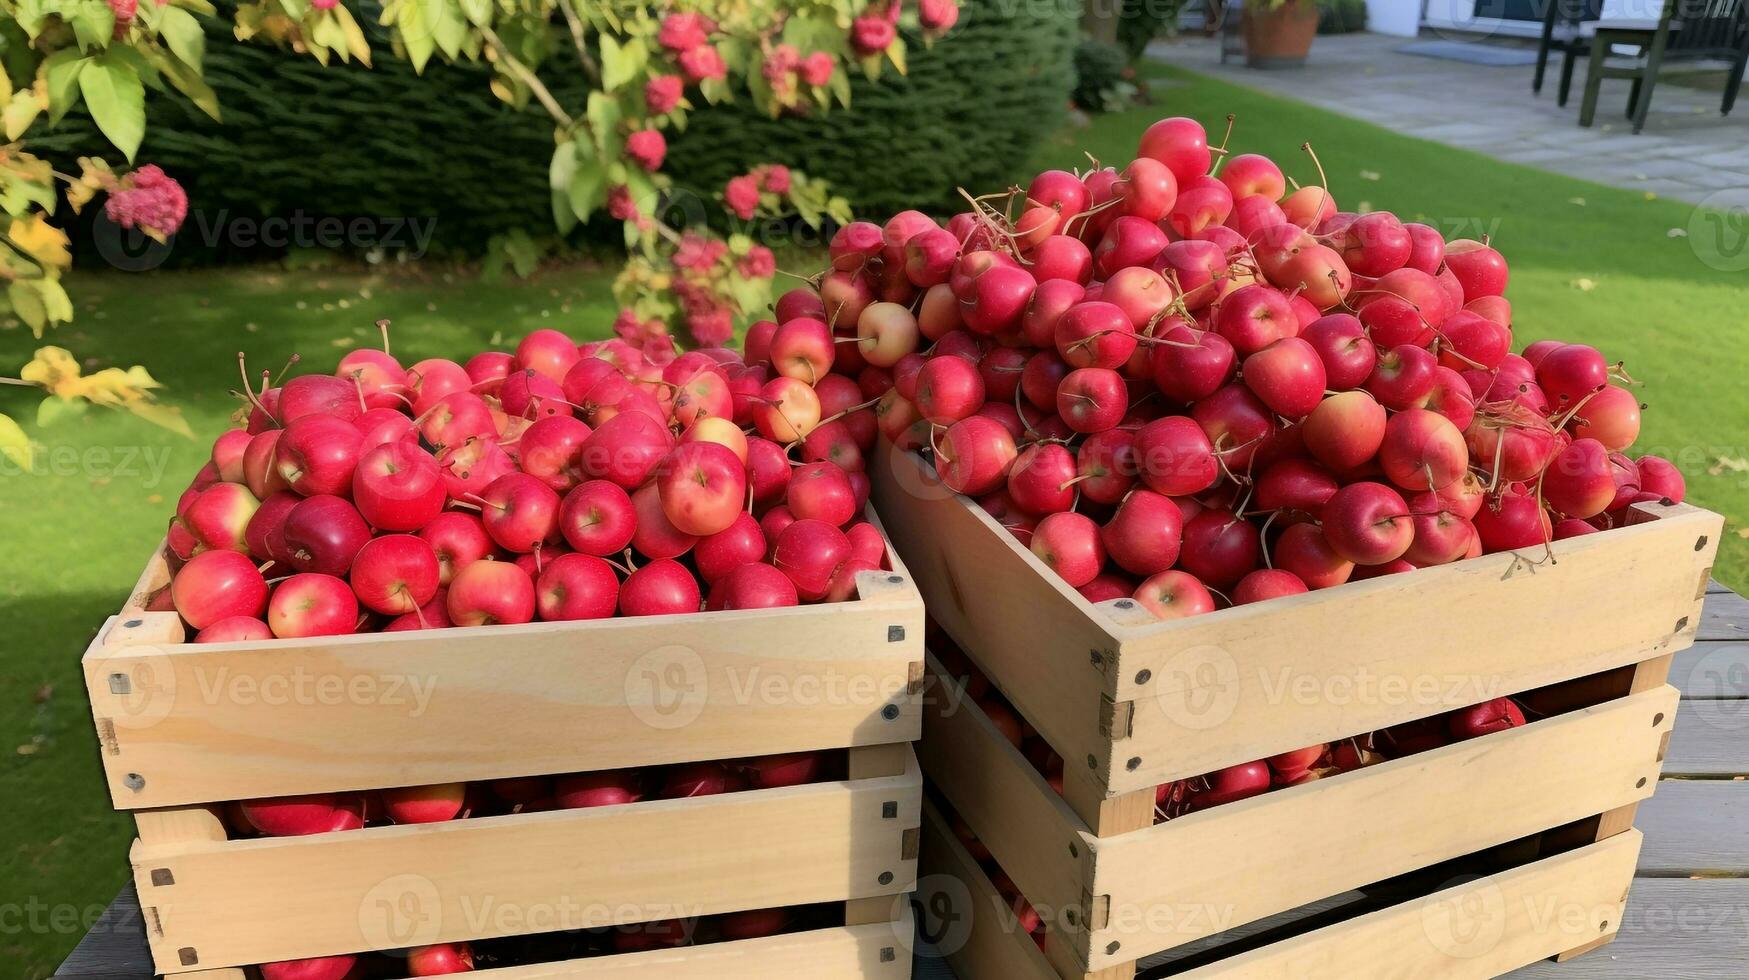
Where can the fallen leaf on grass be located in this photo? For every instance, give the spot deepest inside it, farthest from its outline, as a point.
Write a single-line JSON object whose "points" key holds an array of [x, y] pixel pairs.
{"points": [[1677, 233], [1576, 200], [1584, 285], [1369, 175]]}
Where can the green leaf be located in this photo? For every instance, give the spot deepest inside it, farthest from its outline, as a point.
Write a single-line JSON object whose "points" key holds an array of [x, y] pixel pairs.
{"points": [[559, 173], [478, 12], [54, 410], [810, 34], [93, 24], [604, 117], [840, 86], [622, 63], [896, 54], [27, 302], [117, 102], [14, 444], [588, 189], [20, 113], [416, 36], [189, 83], [61, 71], [184, 36]]}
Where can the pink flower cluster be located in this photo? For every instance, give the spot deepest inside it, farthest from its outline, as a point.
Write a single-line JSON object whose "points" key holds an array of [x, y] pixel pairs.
{"points": [[700, 266], [662, 93], [938, 15], [741, 194], [148, 199], [687, 36], [876, 30], [647, 148], [786, 66]]}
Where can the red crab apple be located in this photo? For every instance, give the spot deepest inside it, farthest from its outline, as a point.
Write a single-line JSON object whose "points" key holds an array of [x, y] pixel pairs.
{"points": [[1404, 377], [703, 487], [1174, 457], [1220, 548], [786, 410], [1106, 465], [318, 394], [1611, 416], [1486, 718], [1368, 524], [768, 467], [218, 585], [1069, 544], [627, 448], [1175, 595], [395, 574], [802, 348], [432, 380], [1513, 521], [547, 352], [1345, 430], [886, 332], [1375, 243], [719, 430], [1660, 476], [575, 586], [1146, 189], [653, 535], [1579, 482], [995, 299], [1041, 481], [1181, 144], [520, 512], [948, 389], [1288, 376], [458, 540], [822, 491], [548, 450], [1129, 241], [1060, 258], [317, 454], [219, 517], [754, 585], [1347, 353], [1092, 399], [234, 629], [721, 553], [322, 534], [593, 789], [1190, 365], [1236, 423], [1233, 784], [398, 487], [529, 395], [1253, 317], [291, 816], [1441, 535], [1096, 334], [260, 474], [488, 369], [1144, 535], [434, 615], [440, 960], [424, 804], [228, 452], [460, 416], [1254, 175], [810, 552], [1304, 550], [1203, 202], [662, 587], [312, 604], [1297, 485], [1264, 584], [381, 426], [1422, 450], [1479, 269], [488, 593], [973, 457]]}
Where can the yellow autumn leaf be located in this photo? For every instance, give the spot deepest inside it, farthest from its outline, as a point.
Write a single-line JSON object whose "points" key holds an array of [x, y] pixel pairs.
{"points": [[164, 416], [41, 241], [14, 444]]}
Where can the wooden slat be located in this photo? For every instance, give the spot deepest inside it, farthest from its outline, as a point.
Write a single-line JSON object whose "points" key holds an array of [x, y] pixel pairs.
{"points": [[1238, 685], [218, 722], [1038, 640], [1674, 930], [1478, 929], [868, 952], [1041, 844], [1696, 827], [1711, 739], [964, 919], [1216, 869], [254, 901], [1713, 669]]}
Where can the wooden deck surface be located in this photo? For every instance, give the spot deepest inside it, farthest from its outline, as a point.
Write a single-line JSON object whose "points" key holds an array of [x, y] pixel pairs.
{"points": [[1688, 914]]}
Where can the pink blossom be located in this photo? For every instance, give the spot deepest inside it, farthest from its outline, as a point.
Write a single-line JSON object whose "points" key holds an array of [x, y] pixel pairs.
{"points": [[777, 178], [938, 15], [150, 200], [872, 34], [758, 263], [620, 204], [783, 60], [647, 147], [703, 62], [662, 93], [741, 195], [817, 68], [683, 31], [324, 4], [711, 329]]}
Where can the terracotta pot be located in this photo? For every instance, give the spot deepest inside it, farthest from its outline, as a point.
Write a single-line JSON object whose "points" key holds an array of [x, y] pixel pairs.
{"points": [[1280, 38]]}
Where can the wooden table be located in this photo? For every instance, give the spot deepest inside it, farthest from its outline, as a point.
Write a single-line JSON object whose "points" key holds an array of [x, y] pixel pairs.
{"points": [[1688, 915]]}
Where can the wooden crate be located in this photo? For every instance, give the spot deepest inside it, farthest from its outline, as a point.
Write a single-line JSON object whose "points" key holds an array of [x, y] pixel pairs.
{"points": [[1474, 928], [1131, 703], [185, 728], [1112, 900]]}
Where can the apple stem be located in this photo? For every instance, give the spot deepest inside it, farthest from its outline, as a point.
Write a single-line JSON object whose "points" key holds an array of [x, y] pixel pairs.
{"points": [[1221, 151], [249, 388], [852, 410], [383, 327], [468, 505], [630, 566], [294, 359]]}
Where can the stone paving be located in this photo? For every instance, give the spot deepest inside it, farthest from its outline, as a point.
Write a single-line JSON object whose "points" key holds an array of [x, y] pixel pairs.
{"points": [[1688, 150]]}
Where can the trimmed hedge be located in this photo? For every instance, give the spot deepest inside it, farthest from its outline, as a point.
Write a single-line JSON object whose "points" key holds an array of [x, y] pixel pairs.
{"points": [[968, 114], [383, 142]]}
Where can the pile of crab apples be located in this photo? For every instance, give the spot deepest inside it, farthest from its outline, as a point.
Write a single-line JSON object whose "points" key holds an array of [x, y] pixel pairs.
{"points": [[1185, 382], [558, 482]]}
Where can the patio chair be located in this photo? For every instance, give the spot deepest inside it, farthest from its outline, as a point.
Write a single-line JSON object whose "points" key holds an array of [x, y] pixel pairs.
{"points": [[1561, 32], [1689, 30]]}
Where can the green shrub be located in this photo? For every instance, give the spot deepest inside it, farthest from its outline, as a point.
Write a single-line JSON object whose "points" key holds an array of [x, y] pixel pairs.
{"points": [[1100, 83], [1141, 22], [1341, 16], [967, 114]]}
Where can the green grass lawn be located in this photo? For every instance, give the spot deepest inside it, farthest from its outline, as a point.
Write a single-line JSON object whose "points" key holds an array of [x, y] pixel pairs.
{"points": [[1589, 264]]}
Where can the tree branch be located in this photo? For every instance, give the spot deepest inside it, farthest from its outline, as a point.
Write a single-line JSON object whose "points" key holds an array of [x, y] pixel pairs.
{"points": [[527, 76], [590, 68]]}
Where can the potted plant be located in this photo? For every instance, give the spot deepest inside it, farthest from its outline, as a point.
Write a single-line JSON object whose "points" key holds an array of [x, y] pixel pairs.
{"points": [[1279, 33]]}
